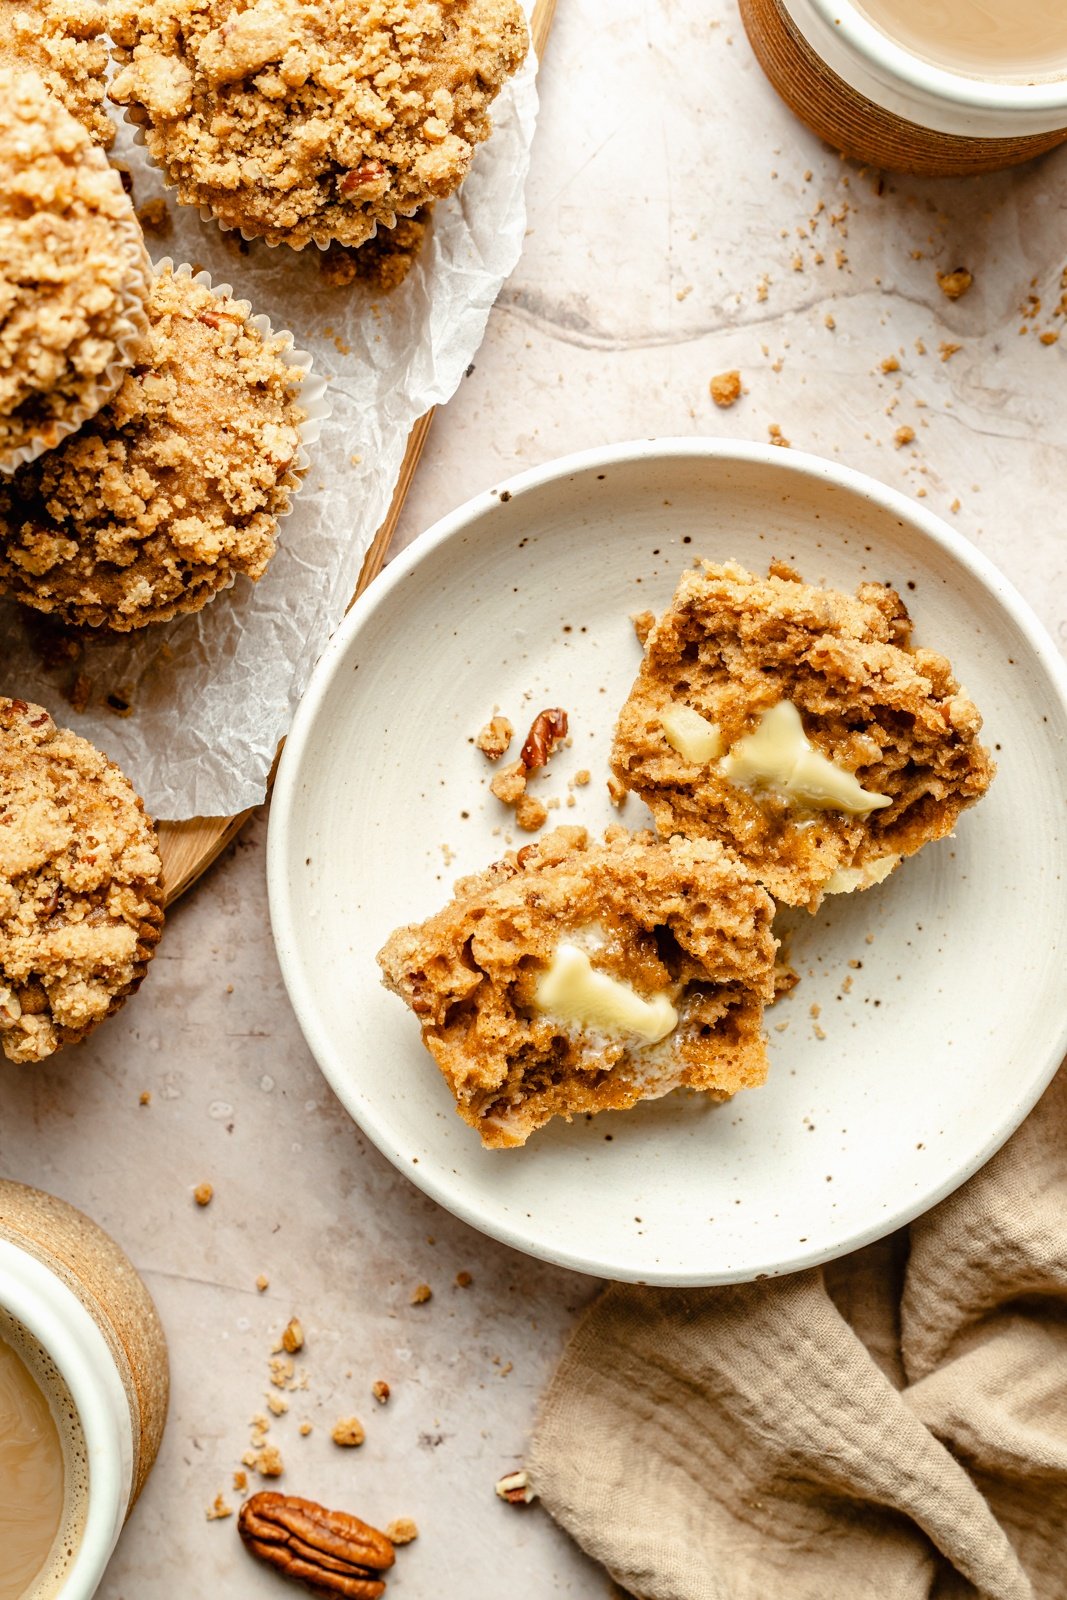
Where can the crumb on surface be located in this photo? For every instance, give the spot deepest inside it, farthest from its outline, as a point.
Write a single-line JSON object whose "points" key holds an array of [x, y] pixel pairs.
{"points": [[618, 793], [381, 1391], [464, 1280], [890, 364], [725, 388], [348, 1432], [643, 623], [530, 813], [262, 1283], [494, 739], [145, 1097], [267, 1461], [154, 217], [955, 284], [776, 436], [401, 1531], [218, 1509], [904, 435], [420, 1294], [203, 1194], [293, 1336]]}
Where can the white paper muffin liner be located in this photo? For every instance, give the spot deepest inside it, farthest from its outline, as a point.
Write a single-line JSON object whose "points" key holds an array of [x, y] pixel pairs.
{"points": [[308, 387], [130, 331], [137, 124]]}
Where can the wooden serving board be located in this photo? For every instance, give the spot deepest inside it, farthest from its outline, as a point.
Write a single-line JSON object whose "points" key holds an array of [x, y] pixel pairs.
{"points": [[189, 848]]}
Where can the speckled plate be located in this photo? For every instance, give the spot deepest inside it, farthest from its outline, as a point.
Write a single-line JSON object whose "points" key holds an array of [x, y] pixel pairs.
{"points": [[933, 1009]]}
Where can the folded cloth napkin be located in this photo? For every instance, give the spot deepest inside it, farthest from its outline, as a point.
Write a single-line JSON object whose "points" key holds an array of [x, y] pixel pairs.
{"points": [[893, 1427]]}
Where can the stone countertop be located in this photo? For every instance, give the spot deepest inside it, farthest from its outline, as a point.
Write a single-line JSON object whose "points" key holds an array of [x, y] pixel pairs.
{"points": [[682, 224]]}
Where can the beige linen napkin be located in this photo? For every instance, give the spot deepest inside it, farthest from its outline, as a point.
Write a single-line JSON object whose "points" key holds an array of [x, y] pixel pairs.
{"points": [[891, 1428]]}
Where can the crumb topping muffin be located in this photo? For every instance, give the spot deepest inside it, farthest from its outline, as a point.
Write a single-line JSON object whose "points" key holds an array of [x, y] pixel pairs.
{"points": [[577, 976], [299, 121], [175, 487], [80, 885], [63, 40], [798, 725], [73, 271]]}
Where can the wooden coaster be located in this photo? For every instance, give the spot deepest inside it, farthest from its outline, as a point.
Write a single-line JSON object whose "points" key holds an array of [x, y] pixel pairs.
{"points": [[857, 127]]}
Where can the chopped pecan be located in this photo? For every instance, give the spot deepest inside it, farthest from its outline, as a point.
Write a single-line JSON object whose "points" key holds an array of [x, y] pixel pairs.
{"points": [[515, 1488], [330, 1551], [365, 176], [547, 732]]}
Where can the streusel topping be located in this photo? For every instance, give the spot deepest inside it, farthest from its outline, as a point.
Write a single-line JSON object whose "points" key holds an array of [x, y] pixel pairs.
{"points": [[175, 487], [80, 896], [300, 122], [72, 267], [64, 41]]}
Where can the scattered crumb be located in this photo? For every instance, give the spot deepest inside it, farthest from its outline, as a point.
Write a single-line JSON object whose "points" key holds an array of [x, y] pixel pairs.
{"points": [[947, 349], [420, 1294], [890, 364], [955, 506], [903, 436], [463, 1280], [154, 217], [494, 739], [305, 1429], [381, 1391], [277, 1404], [955, 284], [1050, 336], [281, 1369], [267, 1461], [348, 1433], [203, 1194], [617, 792], [293, 1336], [530, 814], [777, 436], [218, 1509], [402, 1531], [262, 1283], [815, 1009], [145, 1098], [515, 1488], [582, 777], [920, 347], [644, 622], [830, 321], [725, 388], [819, 1032], [509, 785], [240, 1481]]}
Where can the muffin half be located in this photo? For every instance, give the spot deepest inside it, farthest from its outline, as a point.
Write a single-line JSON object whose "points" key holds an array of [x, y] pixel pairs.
{"points": [[575, 977], [799, 726]]}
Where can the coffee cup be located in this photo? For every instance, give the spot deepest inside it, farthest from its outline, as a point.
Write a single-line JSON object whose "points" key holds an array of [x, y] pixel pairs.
{"points": [[896, 105], [83, 1347]]}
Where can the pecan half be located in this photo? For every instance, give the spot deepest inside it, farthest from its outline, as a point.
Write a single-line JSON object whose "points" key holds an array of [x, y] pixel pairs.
{"points": [[547, 732], [332, 1552]]}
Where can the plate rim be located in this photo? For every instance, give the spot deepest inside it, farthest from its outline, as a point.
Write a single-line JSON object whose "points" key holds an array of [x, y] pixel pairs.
{"points": [[790, 463]]}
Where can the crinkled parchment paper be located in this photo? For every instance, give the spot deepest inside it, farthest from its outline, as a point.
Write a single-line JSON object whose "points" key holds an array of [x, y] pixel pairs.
{"points": [[212, 694]]}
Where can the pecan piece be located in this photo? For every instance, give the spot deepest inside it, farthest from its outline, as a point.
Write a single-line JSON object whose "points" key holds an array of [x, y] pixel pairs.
{"points": [[547, 732], [332, 1552], [367, 175]]}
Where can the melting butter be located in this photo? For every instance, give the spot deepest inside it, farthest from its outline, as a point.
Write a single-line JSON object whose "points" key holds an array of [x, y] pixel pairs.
{"points": [[780, 755], [575, 992], [693, 736], [847, 879]]}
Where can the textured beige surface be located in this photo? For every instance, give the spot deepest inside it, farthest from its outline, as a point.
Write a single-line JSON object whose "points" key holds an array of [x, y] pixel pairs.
{"points": [[896, 1428]]}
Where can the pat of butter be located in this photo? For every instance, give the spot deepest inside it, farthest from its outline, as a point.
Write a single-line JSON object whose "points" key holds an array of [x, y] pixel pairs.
{"points": [[693, 736], [847, 879], [574, 992], [780, 754]]}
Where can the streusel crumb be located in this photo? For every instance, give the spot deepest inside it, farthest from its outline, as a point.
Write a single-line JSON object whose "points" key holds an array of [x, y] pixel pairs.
{"points": [[677, 926], [80, 885], [64, 41], [300, 122], [72, 268], [891, 719], [174, 488]]}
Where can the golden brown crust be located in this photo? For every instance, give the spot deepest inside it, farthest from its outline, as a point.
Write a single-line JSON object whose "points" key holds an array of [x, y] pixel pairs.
{"points": [[81, 900], [64, 41], [680, 914], [299, 122], [174, 488], [72, 268], [732, 645]]}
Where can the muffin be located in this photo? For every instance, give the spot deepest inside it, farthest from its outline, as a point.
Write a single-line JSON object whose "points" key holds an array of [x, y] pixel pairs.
{"points": [[294, 121], [63, 40], [80, 885], [175, 487], [799, 726], [575, 977], [73, 272]]}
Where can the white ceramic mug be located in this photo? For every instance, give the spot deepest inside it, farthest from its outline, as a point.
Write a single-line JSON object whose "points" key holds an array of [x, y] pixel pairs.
{"points": [[68, 1286], [879, 102]]}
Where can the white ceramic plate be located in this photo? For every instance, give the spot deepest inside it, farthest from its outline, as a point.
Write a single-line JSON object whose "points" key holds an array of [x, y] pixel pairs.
{"points": [[932, 1010]]}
